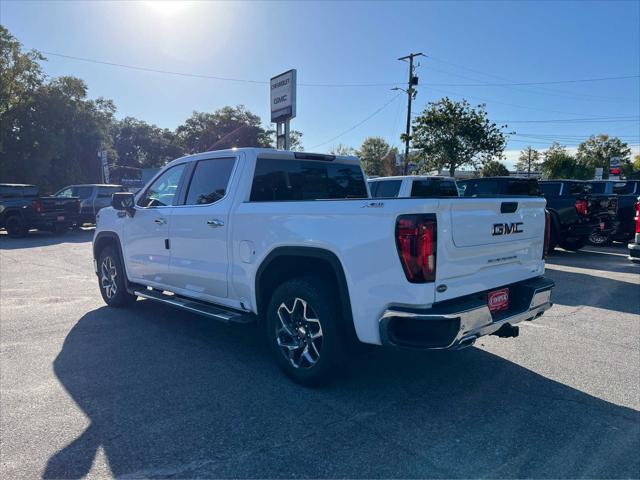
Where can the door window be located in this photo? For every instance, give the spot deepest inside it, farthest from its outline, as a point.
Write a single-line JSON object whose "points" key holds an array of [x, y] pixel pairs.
{"points": [[163, 191], [387, 189], [209, 181]]}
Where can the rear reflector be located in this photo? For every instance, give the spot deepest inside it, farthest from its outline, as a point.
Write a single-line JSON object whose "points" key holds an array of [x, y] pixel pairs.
{"points": [[638, 217], [417, 245], [37, 206]]}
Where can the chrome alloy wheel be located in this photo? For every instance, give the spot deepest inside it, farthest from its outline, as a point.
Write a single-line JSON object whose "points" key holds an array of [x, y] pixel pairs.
{"points": [[299, 333], [108, 275]]}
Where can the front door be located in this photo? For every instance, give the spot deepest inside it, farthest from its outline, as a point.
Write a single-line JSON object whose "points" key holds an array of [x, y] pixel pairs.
{"points": [[146, 233], [199, 232]]}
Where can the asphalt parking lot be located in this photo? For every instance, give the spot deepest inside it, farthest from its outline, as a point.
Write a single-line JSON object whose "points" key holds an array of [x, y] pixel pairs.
{"points": [[86, 390]]}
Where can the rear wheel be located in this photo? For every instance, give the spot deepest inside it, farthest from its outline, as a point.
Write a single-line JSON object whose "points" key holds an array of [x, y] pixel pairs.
{"points": [[573, 244], [304, 331], [599, 239], [111, 279], [15, 227]]}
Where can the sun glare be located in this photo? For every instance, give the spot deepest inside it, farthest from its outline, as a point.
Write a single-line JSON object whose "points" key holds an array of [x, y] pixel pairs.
{"points": [[167, 7]]}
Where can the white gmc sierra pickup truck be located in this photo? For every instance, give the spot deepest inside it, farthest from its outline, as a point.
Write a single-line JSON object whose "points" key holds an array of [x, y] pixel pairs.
{"points": [[293, 241]]}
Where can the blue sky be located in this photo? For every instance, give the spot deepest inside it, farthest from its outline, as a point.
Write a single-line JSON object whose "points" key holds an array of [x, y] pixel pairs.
{"points": [[353, 43]]}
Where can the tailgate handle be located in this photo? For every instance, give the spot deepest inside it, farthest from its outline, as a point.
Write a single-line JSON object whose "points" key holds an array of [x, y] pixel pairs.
{"points": [[508, 207]]}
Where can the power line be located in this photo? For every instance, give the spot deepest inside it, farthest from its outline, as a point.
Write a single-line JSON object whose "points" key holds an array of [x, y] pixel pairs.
{"points": [[382, 84], [357, 124], [212, 77], [628, 118]]}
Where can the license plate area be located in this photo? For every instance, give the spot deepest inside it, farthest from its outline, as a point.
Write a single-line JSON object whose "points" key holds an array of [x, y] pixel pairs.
{"points": [[498, 300], [60, 218]]}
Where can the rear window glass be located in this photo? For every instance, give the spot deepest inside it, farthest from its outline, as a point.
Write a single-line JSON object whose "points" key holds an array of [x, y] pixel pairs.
{"points": [[522, 187], [433, 188], [386, 188], [283, 179], [480, 187], [107, 192], [575, 188], [550, 189]]}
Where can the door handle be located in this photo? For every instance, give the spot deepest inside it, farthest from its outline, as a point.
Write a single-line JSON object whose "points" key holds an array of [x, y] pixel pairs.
{"points": [[160, 221], [214, 222]]}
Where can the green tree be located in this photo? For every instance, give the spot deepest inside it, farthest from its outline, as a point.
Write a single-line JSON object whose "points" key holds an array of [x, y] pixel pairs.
{"points": [[493, 168], [372, 153], [389, 162], [597, 151], [225, 128], [559, 163], [450, 134], [522, 164], [139, 144], [343, 150]]}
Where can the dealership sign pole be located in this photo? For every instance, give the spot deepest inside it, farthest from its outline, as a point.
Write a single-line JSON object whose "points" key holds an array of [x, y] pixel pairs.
{"points": [[283, 106]]}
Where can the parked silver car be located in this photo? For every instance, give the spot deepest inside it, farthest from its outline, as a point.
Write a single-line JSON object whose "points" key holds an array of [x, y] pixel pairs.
{"points": [[92, 197]]}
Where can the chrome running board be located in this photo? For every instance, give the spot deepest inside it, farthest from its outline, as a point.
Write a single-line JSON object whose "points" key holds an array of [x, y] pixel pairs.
{"points": [[223, 314]]}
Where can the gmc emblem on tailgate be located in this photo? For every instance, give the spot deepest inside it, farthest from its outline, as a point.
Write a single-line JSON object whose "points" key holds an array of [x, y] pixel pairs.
{"points": [[506, 228]]}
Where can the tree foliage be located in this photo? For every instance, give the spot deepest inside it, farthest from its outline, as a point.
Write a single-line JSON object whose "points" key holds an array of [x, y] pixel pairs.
{"points": [[372, 154], [341, 149], [597, 151], [450, 134], [559, 163], [493, 168], [522, 165]]}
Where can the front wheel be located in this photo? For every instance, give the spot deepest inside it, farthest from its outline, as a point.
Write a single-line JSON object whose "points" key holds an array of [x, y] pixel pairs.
{"points": [[15, 227], [304, 331], [111, 278], [573, 244]]}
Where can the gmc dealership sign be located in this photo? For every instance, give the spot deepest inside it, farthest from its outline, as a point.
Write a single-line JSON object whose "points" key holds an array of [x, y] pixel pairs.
{"points": [[283, 96]]}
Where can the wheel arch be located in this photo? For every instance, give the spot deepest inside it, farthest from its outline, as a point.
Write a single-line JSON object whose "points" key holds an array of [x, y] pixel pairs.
{"points": [[109, 238], [284, 263]]}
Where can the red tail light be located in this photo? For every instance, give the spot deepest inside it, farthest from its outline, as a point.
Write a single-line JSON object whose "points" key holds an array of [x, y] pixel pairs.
{"points": [[582, 207], [547, 233], [417, 244], [37, 206], [638, 217]]}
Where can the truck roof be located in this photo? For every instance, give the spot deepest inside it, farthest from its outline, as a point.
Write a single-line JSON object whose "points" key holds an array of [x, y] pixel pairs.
{"points": [[400, 177], [16, 185], [270, 153]]}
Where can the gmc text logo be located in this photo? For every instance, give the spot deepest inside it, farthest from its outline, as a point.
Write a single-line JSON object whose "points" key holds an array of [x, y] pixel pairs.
{"points": [[506, 228]]}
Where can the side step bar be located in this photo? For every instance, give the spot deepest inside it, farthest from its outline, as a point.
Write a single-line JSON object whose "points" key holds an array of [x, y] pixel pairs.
{"points": [[223, 314]]}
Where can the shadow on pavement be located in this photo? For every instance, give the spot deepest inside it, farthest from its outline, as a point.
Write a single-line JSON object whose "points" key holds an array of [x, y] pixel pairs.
{"points": [[44, 239], [170, 394]]}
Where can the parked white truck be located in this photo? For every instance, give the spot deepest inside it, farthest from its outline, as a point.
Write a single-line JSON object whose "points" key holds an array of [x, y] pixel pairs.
{"points": [[293, 240]]}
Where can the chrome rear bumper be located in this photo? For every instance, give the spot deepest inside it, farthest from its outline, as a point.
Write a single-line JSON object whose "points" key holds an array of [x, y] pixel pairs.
{"points": [[458, 323]]}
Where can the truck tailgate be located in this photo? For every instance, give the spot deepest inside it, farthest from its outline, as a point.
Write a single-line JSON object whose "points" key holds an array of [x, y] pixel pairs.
{"points": [[488, 242]]}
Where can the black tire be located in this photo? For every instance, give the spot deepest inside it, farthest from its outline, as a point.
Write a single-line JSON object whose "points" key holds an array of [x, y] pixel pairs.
{"points": [[59, 229], [553, 239], [15, 227], [599, 239], [573, 244], [328, 350], [111, 273]]}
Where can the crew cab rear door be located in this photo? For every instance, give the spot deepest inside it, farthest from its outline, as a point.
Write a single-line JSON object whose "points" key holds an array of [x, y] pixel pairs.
{"points": [[488, 242], [199, 230]]}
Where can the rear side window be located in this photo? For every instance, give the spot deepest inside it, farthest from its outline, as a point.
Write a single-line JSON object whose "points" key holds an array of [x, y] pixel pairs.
{"points": [[550, 189], [623, 188], [283, 179], [433, 188], [10, 192], [387, 189], [209, 181]]}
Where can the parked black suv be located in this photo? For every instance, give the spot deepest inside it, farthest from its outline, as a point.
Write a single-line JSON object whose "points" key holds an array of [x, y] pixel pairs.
{"points": [[627, 192], [22, 208], [577, 213]]}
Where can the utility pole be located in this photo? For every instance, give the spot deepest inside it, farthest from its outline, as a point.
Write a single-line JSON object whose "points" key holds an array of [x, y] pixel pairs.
{"points": [[411, 94]]}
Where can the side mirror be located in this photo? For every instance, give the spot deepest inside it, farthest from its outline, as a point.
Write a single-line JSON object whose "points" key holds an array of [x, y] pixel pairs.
{"points": [[124, 201]]}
